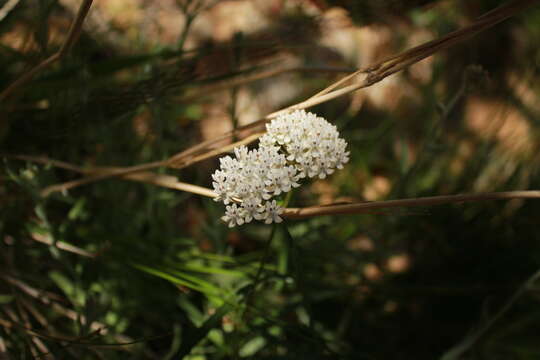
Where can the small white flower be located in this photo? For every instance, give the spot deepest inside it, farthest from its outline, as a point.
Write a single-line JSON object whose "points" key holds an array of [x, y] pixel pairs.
{"points": [[232, 216], [220, 190], [252, 208], [241, 153], [271, 212], [219, 176]]}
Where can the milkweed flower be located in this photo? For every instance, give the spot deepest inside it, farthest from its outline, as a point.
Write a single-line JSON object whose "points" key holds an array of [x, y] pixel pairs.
{"points": [[297, 145], [310, 142]]}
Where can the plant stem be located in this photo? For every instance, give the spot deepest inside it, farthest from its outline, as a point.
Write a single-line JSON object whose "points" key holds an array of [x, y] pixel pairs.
{"points": [[470, 340], [73, 36], [363, 207], [264, 260]]}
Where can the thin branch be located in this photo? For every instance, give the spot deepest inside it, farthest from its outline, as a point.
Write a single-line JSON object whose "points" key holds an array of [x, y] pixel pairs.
{"points": [[178, 161], [44, 297], [358, 208], [330, 209], [170, 182], [39, 334], [76, 28], [372, 75], [100, 176], [26, 77], [51, 299], [46, 161], [6, 9], [457, 351], [40, 318], [338, 83], [268, 73], [61, 245], [167, 181], [187, 161], [73, 36]]}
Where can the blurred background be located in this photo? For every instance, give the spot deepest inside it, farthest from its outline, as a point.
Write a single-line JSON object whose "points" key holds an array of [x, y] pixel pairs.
{"points": [[119, 269]]}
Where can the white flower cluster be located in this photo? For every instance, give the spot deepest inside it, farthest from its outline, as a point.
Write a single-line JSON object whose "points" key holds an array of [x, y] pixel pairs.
{"points": [[296, 145]]}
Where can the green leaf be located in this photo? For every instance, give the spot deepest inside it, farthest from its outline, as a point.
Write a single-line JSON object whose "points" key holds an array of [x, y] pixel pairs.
{"points": [[205, 269], [5, 299], [192, 311], [195, 335], [68, 287], [252, 346], [183, 279], [205, 286], [77, 210]]}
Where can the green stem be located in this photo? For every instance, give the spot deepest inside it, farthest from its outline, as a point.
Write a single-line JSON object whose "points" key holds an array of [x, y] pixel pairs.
{"points": [[264, 260], [296, 273], [457, 351], [288, 198]]}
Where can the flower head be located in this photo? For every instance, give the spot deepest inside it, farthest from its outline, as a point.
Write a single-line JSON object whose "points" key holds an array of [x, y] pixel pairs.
{"points": [[309, 141], [297, 145]]}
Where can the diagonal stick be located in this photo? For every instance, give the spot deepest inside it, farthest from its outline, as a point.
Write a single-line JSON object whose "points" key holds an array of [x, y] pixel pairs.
{"points": [[73, 36], [373, 74]]}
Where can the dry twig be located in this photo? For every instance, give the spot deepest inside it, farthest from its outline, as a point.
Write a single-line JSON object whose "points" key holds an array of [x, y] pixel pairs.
{"points": [[268, 73], [297, 213], [363, 207], [52, 300], [6, 9], [61, 245], [167, 181], [371, 75], [73, 36]]}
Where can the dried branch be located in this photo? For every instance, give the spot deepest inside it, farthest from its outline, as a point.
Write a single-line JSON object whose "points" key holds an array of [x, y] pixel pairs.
{"points": [[39, 334], [50, 299], [268, 73], [185, 161], [43, 296], [371, 75], [362, 207], [170, 182], [6, 9], [100, 175], [46, 161], [300, 213], [73, 36], [167, 181], [61, 245]]}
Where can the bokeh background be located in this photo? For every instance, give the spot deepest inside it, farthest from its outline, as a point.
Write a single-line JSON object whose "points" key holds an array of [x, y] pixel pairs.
{"points": [[128, 270]]}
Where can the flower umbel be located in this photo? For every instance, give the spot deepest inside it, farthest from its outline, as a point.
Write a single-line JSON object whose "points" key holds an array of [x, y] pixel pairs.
{"points": [[297, 145]]}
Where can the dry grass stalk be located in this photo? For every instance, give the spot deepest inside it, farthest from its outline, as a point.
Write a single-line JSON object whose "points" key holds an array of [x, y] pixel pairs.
{"points": [[100, 175], [371, 75], [249, 78], [51, 299], [147, 177], [6, 9], [73, 36], [45, 239], [187, 161], [296, 213], [170, 182], [362, 207], [370, 206]]}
